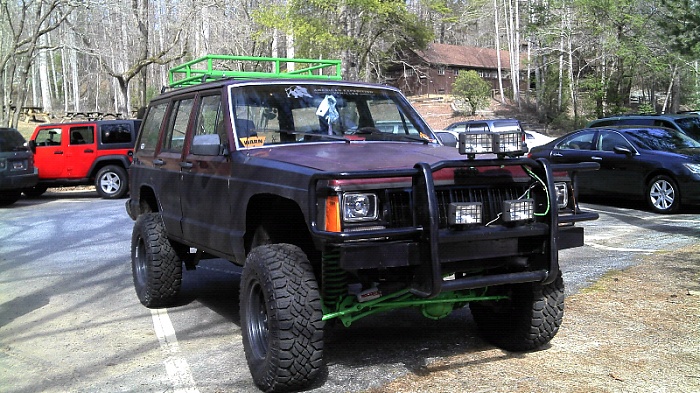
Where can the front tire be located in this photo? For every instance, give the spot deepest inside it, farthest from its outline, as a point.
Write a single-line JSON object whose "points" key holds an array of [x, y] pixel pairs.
{"points": [[155, 266], [111, 182], [527, 320], [663, 195], [281, 318]]}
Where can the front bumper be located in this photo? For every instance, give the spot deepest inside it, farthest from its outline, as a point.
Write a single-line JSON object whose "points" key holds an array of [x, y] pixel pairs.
{"points": [[431, 249]]}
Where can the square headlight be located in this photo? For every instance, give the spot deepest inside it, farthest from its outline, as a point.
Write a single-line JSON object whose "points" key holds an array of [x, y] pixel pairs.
{"points": [[518, 210], [360, 207], [465, 213], [562, 191]]}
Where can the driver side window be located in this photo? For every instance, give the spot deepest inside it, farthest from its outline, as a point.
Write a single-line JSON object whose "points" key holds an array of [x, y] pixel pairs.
{"points": [[579, 141]]}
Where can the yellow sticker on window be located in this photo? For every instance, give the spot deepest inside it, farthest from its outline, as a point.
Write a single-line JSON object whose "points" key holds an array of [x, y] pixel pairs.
{"points": [[253, 141]]}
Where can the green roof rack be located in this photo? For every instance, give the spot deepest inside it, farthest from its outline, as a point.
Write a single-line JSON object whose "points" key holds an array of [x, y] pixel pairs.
{"points": [[203, 69]]}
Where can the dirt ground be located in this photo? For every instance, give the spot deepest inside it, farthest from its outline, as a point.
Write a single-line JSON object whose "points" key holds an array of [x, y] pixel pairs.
{"points": [[636, 330]]}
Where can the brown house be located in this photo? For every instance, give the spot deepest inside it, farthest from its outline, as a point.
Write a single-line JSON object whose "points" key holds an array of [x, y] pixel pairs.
{"points": [[434, 70]]}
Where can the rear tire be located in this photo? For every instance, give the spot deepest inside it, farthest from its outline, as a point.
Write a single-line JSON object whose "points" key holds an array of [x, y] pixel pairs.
{"points": [[663, 195], [281, 318], [155, 266], [35, 192], [527, 320], [111, 182]]}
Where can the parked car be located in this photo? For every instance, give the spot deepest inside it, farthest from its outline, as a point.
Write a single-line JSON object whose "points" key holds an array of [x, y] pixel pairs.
{"points": [[491, 125], [333, 218], [534, 138], [687, 123], [659, 165], [17, 171], [89, 152]]}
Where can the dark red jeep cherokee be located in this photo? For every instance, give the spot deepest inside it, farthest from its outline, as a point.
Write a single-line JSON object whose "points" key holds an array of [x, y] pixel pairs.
{"points": [[333, 218]]}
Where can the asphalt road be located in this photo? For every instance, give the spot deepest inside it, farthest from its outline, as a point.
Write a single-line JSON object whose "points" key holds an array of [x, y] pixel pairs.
{"points": [[70, 320]]}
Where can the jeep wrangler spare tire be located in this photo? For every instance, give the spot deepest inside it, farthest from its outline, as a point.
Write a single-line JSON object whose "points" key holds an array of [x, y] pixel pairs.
{"points": [[527, 320], [155, 266], [281, 318], [111, 182]]}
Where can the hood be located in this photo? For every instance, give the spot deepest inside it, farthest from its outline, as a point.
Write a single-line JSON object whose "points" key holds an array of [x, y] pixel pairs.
{"points": [[340, 157]]}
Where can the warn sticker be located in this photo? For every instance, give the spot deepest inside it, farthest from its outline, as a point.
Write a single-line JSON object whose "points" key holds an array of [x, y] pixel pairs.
{"points": [[253, 141]]}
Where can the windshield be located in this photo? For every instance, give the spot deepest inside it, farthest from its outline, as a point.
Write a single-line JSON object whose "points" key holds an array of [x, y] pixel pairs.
{"points": [[274, 114], [691, 126], [661, 139], [11, 140]]}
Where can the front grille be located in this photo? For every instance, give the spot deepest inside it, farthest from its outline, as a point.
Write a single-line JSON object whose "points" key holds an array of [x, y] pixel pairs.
{"points": [[399, 213]]}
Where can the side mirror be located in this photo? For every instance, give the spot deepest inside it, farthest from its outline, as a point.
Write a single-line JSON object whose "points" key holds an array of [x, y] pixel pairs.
{"points": [[206, 145], [32, 146], [447, 139]]}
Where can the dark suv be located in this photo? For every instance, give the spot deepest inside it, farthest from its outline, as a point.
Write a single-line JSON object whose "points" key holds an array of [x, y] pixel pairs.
{"points": [[334, 219], [89, 152], [17, 170], [687, 123]]}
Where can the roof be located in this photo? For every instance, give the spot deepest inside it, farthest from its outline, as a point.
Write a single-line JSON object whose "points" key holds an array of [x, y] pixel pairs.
{"points": [[465, 56]]}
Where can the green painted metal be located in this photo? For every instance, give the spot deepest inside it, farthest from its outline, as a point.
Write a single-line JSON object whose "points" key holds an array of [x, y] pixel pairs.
{"points": [[350, 310], [205, 69]]}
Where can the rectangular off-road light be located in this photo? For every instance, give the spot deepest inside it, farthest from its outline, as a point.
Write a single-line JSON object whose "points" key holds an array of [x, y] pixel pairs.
{"points": [[475, 143], [518, 210], [508, 142], [464, 213]]}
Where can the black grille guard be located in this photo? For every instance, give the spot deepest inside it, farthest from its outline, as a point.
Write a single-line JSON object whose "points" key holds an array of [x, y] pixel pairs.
{"points": [[425, 213]]}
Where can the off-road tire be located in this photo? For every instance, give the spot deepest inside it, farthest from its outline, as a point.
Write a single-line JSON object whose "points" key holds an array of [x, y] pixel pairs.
{"points": [[111, 182], [527, 320], [663, 195], [281, 318], [9, 197], [155, 266]]}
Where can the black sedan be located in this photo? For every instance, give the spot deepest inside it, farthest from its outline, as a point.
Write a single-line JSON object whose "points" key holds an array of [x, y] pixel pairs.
{"points": [[658, 164]]}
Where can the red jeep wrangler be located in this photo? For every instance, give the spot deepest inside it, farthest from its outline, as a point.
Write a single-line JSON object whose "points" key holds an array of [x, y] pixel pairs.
{"points": [[90, 152]]}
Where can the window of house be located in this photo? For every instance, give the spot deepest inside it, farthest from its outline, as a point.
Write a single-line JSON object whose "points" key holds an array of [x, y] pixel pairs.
{"points": [[441, 70]]}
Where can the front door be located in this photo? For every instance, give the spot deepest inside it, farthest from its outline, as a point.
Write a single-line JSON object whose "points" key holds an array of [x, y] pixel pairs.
{"points": [[49, 157]]}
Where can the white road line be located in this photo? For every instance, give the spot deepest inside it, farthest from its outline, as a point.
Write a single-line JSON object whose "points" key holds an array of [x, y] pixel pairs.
{"points": [[602, 247], [177, 368]]}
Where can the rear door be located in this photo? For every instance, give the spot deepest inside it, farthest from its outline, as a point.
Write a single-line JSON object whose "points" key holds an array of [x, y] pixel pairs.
{"points": [[80, 150]]}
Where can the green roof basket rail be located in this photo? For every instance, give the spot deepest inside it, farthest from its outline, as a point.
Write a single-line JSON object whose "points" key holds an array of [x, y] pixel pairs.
{"points": [[214, 67]]}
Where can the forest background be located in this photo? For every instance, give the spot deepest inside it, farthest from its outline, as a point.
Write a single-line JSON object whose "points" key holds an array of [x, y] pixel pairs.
{"points": [[586, 58]]}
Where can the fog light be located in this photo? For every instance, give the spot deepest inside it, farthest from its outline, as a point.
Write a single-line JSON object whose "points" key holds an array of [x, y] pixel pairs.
{"points": [[562, 192], [508, 142], [464, 213], [475, 143], [518, 210]]}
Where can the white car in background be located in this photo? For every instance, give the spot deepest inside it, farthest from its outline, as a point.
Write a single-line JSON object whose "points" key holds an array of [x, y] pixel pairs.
{"points": [[534, 138]]}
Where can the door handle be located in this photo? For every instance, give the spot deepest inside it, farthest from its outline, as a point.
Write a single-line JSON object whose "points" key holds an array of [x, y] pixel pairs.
{"points": [[557, 155], [597, 158], [186, 165], [158, 162], [88, 151], [58, 152]]}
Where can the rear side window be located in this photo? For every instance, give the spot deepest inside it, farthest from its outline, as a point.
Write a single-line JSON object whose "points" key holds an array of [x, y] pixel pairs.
{"points": [[11, 140], [177, 126], [115, 133], [82, 135], [151, 126]]}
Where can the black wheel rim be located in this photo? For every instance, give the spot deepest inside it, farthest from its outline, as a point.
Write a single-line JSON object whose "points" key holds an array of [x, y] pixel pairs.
{"points": [[257, 321], [140, 270]]}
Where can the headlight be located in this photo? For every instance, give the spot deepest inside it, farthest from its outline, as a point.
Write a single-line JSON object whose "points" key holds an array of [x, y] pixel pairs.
{"points": [[359, 207], [562, 191], [693, 168]]}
